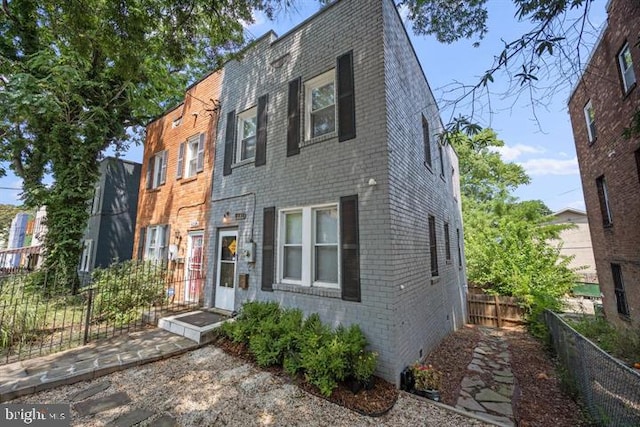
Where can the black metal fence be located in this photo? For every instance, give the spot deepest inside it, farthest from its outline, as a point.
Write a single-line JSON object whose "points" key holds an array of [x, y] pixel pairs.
{"points": [[610, 390], [39, 315]]}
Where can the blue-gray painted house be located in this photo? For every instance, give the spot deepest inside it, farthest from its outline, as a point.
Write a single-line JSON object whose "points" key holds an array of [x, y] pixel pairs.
{"points": [[332, 191]]}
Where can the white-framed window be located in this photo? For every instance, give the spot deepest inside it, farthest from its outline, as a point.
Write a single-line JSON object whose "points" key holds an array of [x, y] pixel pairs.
{"points": [[320, 105], [590, 118], [626, 67], [85, 259], [157, 169], [308, 250], [157, 242], [95, 206], [191, 163], [190, 157], [246, 134]]}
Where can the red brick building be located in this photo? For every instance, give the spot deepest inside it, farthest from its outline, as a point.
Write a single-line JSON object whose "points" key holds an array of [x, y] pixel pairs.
{"points": [[175, 187], [601, 107]]}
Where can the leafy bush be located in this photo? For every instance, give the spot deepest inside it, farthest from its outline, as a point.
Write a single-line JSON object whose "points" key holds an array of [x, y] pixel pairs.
{"points": [[309, 347], [19, 317], [122, 290], [620, 342], [365, 365]]}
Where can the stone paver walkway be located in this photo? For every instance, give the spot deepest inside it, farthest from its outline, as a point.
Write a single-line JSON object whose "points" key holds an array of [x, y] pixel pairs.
{"points": [[487, 389], [89, 361]]}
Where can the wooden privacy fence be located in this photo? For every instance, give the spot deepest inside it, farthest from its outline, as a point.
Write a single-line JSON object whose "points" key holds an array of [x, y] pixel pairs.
{"points": [[494, 310]]}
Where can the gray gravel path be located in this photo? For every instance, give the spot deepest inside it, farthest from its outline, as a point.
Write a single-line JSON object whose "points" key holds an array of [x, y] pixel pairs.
{"points": [[208, 387]]}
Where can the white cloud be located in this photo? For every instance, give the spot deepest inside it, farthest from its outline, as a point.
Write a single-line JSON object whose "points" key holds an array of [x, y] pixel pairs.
{"points": [[545, 166], [510, 153]]}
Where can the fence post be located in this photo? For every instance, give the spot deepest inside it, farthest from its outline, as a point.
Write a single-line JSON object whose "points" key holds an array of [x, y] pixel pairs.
{"points": [[87, 320], [495, 298]]}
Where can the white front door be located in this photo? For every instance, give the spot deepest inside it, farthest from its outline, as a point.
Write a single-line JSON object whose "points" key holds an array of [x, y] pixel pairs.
{"points": [[226, 271], [193, 273]]}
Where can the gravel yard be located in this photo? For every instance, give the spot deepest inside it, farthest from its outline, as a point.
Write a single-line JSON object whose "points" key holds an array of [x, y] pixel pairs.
{"points": [[208, 387]]}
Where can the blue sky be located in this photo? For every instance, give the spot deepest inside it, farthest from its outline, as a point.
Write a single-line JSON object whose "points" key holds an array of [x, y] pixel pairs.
{"points": [[545, 147]]}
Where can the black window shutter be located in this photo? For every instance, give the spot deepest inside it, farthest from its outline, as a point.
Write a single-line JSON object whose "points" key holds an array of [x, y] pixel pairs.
{"points": [[228, 142], [350, 251], [293, 124], [141, 239], [268, 247], [346, 98], [261, 137]]}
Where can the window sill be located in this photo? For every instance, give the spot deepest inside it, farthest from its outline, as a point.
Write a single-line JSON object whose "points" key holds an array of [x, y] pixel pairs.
{"points": [[308, 290], [318, 139], [435, 280], [633, 86], [592, 141], [428, 167], [154, 190], [243, 163], [608, 226], [188, 180]]}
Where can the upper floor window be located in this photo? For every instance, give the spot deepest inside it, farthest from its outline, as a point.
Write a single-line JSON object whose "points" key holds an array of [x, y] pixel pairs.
{"points": [[308, 249], [426, 139], [637, 154], [247, 132], [590, 117], [447, 242], [95, 207], [85, 259], [191, 157], [433, 246], [603, 196], [626, 68], [320, 105], [441, 154], [157, 170], [618, 286]]}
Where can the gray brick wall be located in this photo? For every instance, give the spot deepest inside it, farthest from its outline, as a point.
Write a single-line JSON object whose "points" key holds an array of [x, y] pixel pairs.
{"points": [[324, 171], [426, 309]]}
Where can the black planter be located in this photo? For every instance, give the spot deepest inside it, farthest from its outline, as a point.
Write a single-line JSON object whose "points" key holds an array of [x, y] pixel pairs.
{"points": [[407, 382], [429, 394]]}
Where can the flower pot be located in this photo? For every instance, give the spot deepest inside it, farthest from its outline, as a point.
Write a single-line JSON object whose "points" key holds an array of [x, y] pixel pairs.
{"points": [[429, 394]]}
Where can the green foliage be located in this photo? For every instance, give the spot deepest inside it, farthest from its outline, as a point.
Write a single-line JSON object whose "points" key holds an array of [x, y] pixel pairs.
{"points": [[19, 318], [365, 365], [78, 76], [623, 343], [282, 337], [506, 241], [122, 291]]}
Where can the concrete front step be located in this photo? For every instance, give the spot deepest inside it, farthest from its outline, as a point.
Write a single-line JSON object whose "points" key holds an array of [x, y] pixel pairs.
{"points": [[198, 326]]}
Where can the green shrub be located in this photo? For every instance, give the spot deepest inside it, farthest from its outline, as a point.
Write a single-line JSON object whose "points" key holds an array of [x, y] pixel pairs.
{"points": [[620, 342], [283, 337], [123, 290], [19, 316], [365, 365]]}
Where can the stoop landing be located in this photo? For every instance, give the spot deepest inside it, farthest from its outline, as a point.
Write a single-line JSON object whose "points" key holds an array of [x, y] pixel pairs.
{"points": [[197, 326]]}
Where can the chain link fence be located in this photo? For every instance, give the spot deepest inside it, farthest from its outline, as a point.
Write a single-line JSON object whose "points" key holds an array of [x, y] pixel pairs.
{"points": [[609, 389]]}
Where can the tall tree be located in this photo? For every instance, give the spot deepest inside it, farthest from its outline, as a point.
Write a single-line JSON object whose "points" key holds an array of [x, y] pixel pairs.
{"points": [[506, 240], [76, 75], [545, 57]]}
